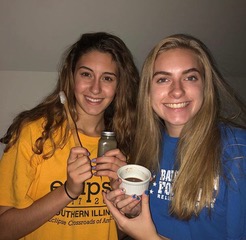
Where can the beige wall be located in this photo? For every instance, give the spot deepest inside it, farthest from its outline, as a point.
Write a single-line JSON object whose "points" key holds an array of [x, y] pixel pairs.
{"points": [[20, 91]]}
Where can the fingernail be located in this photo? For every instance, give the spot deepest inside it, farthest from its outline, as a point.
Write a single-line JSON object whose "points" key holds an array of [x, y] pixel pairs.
{"points": [[146, 192], [93, 167], [136, 197], [93, 160], [123, 190]]}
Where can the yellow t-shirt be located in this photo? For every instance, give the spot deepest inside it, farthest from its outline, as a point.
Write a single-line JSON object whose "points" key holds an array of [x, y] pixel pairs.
{"points": [[26, 177]]}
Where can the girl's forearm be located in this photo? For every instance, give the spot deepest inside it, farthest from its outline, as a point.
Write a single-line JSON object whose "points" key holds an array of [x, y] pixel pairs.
{"points": [[16, 223]]}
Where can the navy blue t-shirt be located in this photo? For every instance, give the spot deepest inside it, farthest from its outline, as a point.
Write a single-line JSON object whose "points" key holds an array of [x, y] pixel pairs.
{"points": [[227, 219]]}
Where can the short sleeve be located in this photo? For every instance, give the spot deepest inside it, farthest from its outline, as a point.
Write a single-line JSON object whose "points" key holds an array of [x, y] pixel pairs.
{"points": [[17, 171]]}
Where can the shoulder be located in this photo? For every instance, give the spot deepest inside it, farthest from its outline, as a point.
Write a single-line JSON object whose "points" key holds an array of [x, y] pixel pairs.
{"points": [[37, 124], [233, 141], [234, 149], [33, 129], [230, 134]]}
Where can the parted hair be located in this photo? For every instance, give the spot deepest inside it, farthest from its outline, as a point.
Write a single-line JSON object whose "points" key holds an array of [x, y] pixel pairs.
{"points": [[119, 116], [198, 153]]}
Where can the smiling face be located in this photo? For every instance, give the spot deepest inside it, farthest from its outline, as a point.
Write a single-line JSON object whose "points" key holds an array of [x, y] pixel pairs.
{"points": [[95, 79], [176, 88]]}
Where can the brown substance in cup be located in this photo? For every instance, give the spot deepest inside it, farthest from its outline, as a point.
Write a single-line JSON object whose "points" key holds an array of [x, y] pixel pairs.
{"points": [[133, 179]]}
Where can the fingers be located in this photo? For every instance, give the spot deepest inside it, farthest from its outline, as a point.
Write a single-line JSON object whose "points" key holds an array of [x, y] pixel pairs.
{"points": [[78, 169], [115, 153], [108, 173], [113, 156], [110, 161], [125, 203], [118, 216], [115, 194], [115, 183], [129, 204], [77, 152], [109, 164], [79, 166]]}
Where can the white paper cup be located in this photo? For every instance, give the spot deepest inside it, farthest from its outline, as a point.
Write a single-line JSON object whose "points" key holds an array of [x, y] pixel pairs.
{"points": [[129, 173]]}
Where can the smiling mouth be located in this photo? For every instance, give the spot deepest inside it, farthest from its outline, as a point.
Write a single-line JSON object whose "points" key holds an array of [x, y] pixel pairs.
{"points": [[176, 105], [93, 100]]}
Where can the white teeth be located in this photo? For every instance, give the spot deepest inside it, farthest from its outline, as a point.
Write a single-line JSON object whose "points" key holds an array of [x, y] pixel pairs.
{"points": [[176, 105], [95, 100]]}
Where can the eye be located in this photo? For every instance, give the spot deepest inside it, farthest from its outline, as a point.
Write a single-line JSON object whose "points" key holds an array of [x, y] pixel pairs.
{"points": [[108, 78], [162, 80], [85, 74], [192, 78]]}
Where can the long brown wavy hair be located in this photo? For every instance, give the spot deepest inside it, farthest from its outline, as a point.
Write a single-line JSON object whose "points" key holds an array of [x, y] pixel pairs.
{"points": [[198, 153], [119, 116]]}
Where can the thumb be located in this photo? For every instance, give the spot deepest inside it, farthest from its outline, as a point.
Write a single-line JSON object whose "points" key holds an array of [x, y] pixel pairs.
{"points": [[77, 152], [73, 155], [145, 204]]}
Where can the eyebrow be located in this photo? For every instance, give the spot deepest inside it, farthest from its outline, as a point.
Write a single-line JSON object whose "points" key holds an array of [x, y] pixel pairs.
{"points": [[169, 74], [109, 73]]}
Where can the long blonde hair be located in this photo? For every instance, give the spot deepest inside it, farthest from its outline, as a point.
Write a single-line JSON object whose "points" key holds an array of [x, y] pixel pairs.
{"points": [[198, 154]]}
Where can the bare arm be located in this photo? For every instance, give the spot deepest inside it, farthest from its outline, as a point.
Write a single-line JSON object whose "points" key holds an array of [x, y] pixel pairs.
{"points": [[16, 223], [134, 226]]}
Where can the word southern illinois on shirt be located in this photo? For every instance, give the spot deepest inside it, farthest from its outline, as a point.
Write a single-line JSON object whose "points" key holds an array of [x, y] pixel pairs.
{"points": [[88, 209]]}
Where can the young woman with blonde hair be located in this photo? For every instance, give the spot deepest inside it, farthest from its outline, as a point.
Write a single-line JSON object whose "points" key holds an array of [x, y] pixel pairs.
{"points": [[197, 147]]}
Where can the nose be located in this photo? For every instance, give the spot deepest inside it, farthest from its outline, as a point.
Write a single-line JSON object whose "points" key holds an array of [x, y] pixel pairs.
{"points": [[95, 87], [177, 89]]}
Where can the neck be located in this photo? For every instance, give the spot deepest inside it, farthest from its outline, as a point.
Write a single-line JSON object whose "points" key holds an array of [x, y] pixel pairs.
{"points": [[90, 126]]}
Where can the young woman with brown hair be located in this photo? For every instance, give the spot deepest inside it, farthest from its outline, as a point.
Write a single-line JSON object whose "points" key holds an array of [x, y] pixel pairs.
{"points": [[50, 187]]}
